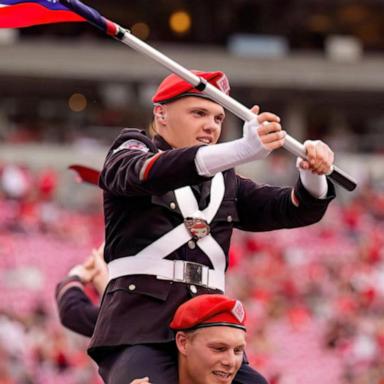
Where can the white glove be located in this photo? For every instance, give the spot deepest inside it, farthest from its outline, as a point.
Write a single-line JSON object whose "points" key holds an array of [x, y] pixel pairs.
{"points": [[82, 273], [212, 159]]}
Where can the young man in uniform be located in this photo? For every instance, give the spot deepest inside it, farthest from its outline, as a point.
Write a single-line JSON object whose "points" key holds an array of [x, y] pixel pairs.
{"points": [[210, 339], [170, 206]]}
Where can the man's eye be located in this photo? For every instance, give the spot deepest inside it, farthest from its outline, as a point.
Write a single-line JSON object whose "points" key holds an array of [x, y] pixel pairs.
{"points": [[219, 120], [199, 113]]}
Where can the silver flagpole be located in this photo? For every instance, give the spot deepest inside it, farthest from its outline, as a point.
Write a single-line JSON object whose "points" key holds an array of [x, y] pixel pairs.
{"points": [[292, 145]]}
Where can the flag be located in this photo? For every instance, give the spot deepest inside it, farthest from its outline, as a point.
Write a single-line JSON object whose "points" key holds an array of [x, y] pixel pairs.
{"points": [[25, 13]]}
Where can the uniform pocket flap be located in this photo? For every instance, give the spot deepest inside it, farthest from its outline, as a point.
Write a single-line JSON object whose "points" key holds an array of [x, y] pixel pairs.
{"points": [[142, 285]]}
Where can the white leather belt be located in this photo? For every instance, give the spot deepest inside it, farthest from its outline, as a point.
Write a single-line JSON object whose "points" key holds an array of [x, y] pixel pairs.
{"points": [[150, 260], [175, 270]]}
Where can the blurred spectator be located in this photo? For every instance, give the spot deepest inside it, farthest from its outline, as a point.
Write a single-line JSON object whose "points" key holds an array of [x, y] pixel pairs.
{"points": [[15, 181]]}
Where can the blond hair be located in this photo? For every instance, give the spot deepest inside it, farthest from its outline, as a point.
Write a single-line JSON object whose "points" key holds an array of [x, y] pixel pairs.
{"points": [[152, 131]]}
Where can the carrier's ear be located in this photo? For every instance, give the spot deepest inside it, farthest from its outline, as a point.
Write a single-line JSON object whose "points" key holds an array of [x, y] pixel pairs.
{"points": [[181, 342]]}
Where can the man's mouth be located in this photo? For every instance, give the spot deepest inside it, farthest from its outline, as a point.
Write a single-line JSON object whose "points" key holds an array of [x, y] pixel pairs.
{"points": [[222, 375], [204, 140]]}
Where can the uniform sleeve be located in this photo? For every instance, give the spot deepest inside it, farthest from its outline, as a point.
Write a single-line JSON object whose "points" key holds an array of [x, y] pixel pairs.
{"points": [[135, 167], [266, 208], [76, 311]]}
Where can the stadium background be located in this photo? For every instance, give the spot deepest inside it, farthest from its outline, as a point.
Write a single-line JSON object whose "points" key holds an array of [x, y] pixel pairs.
{"points": [[315, 295]]}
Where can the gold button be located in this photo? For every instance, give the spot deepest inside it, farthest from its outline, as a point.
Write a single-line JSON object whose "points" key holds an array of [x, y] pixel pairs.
{"points": [[229, 219], [132, 287], [191, 244], [172, 205], [193, 288]]}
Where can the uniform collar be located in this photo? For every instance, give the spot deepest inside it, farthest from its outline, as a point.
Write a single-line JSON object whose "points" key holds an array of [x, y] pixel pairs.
{"points": [[161, 143]]}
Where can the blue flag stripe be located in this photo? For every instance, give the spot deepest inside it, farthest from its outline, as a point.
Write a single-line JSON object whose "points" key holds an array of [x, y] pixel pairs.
{"points": [[53, 5]]}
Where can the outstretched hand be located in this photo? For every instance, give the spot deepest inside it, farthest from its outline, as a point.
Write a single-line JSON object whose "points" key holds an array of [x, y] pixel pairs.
{"points": [[85, 274], [94, 270], [319, 157]]}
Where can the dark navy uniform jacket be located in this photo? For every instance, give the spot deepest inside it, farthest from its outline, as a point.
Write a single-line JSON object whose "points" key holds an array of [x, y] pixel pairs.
{"points": [[138, 180]]}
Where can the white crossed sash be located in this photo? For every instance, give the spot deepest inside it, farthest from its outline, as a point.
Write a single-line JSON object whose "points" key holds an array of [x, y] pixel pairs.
{"points": [[150, 260]]}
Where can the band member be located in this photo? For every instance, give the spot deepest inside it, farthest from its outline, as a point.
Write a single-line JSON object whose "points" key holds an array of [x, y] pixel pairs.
{"points": [[170, 205]]}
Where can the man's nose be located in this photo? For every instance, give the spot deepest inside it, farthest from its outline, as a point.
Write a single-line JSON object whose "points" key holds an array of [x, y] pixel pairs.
{"points": [[229, 359], [211, 125]]}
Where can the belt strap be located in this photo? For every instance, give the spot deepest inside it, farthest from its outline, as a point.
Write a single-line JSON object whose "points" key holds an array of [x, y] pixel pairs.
{"points": [[175, 270]]}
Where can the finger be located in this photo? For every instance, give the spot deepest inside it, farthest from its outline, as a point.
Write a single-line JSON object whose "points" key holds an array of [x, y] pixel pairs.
{"points": [[322, 159], [319, 169], [316, 165], [310, 151], [95, 255], [323, 168], [99, 253], [329, 165], [304, 164], [272, 137], [255, 109], [93, 274], [101, 248], [327, 156], [268, 116], [267, 128], [275, 145], [89, 262]]}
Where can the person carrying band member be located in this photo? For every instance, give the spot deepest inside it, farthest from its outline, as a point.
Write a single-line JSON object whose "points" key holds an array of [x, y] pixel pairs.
{"points": [[203, 354], [210, 340], [170, 205]]}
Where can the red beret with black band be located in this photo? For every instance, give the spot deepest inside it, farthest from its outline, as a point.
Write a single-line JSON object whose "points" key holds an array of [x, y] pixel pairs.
{"points": [[209, 311], [174, 87]]}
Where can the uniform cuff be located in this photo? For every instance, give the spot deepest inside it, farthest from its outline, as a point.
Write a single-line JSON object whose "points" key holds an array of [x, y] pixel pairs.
{"points": [[68, 283], [305, 198]]}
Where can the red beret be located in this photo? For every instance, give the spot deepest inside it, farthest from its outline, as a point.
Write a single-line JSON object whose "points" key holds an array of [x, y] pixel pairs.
{"points": [[173, 87], [207, 311]]}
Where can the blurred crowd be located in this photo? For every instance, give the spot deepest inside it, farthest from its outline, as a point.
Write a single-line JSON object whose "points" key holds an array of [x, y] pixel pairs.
{"points": [[315, 296], [33, 349], [29, 204], [40, 240]]}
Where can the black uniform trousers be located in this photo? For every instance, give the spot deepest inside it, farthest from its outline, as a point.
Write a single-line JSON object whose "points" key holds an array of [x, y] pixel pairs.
{"points": [[157, 361]]}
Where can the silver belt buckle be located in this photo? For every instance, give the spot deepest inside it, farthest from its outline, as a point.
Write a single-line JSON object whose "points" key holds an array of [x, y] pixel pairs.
{"points": [[197, 227], [193, 273]]}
